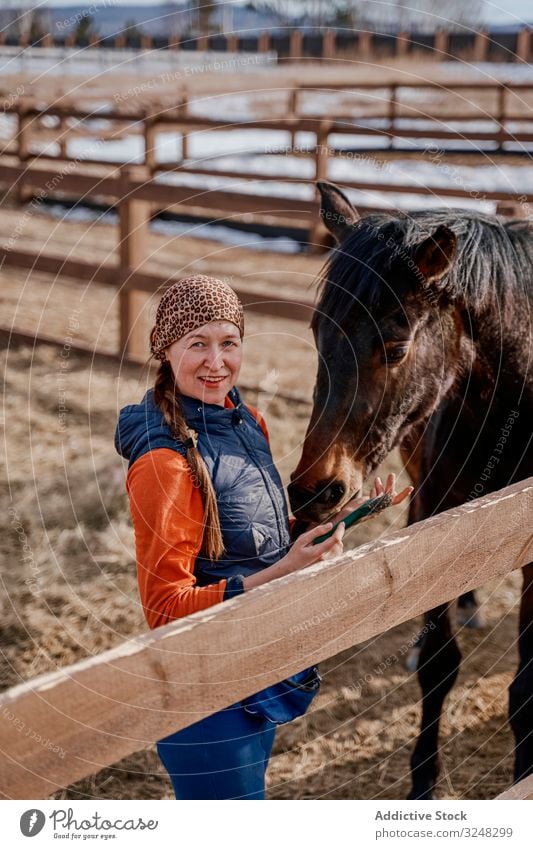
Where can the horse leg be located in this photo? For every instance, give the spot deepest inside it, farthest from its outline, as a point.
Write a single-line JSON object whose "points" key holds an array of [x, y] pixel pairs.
{"points": [[521, 689], [468, 611], [438, 667]]}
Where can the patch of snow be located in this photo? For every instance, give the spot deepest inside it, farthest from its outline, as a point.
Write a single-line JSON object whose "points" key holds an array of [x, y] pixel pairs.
{"points": [[227, 236], [496, 72], [8, 126], [215, 232], [129, 149], [90, 63]]}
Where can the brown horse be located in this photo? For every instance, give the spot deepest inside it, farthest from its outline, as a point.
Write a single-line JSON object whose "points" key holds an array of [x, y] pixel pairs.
{"points": [[423, 332]]}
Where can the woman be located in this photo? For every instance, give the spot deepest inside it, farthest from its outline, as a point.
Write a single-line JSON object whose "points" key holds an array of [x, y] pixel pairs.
{"points": [[210, 520]]}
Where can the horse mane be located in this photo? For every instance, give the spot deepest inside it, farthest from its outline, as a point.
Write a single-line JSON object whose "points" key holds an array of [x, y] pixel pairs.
{"points": [[494, 263]]}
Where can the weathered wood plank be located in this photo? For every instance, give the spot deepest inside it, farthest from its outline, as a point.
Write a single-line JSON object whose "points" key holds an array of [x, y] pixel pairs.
{"points": [[522, 790], [99, 710]]}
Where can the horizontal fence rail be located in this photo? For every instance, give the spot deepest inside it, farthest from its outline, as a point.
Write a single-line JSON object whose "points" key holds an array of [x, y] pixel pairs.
{"points": [[138, 195], [522, 790], [60, 727], [382, 113]]}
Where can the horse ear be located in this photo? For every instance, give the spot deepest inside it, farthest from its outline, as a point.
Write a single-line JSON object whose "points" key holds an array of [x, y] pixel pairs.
{"points": [[435, 255], [336, 211]]}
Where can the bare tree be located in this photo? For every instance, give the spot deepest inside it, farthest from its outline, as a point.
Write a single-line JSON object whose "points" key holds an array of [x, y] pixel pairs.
{"points": [[29, 22], [422, 15], [317, 13], [453, 14], [203, 13]]}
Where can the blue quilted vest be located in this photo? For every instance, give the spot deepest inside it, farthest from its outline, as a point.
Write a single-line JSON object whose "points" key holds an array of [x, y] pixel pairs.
{"points": [[251, 500]]}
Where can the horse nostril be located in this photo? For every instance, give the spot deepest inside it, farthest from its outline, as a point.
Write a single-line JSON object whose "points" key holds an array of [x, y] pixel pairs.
{"points": [[299, 498], [332, 494], [307, 504]]}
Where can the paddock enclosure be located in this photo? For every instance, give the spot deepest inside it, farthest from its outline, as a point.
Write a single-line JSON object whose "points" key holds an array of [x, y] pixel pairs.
{"points": [[86, 240]]}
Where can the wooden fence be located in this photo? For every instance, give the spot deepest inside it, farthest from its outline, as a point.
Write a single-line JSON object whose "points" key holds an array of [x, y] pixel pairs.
{"points": [[137, 194], [60, 727], [297, 44], [486, 112]]}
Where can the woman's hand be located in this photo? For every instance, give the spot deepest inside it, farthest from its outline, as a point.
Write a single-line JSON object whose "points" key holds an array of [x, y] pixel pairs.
{"points": [[303, 553], [377, 489]]}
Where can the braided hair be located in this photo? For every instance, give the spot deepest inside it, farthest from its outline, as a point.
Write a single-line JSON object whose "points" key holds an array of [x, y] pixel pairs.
{"points": [[167, 400]]}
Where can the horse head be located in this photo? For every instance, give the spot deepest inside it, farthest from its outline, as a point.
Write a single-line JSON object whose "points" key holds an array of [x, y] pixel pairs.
{"points": [[384, 327]]}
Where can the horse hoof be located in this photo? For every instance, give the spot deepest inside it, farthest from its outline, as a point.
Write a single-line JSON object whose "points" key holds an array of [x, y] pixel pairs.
{"points": [[421, 795], [470, 616], [412, 658]]}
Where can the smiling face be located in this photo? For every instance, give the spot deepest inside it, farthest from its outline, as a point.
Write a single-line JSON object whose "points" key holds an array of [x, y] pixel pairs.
{"points": [[206, 362]]}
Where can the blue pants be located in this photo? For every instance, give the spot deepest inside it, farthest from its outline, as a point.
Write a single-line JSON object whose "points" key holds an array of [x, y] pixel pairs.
{"points": [[224, 756]]}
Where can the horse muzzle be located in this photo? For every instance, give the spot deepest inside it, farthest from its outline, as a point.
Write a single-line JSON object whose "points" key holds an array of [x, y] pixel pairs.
{"points": [[316, 505]]}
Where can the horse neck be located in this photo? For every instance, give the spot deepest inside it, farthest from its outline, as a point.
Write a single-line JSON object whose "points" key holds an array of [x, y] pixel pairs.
{"points": [[501, 367]]}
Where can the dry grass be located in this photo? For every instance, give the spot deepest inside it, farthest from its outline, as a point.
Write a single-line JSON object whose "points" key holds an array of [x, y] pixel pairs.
{"points": [[75, 592]]}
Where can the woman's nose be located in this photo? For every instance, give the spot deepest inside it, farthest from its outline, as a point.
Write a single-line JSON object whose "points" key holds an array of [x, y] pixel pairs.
{"points": [[213, 358]]}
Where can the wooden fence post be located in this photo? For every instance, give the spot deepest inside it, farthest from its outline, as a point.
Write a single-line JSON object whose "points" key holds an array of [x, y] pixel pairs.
{"points": [[150, 136], [296, 44], [403, 42], [134, 217], [23, 107], [440, 50], [232, 44], [24, 129], [294, 97], [365, 44], [322, 151], [263, 42], [481, 46], [328, 44], [523, 44], [183, 111], [63, 137], [393, 100], [500, 116]]}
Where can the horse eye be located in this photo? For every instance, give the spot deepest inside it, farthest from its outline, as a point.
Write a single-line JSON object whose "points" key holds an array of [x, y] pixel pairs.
{"points": [[395, 353]]}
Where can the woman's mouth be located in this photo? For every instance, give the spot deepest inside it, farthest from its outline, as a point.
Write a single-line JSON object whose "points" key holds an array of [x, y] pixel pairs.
{"points": [[212, 382]]}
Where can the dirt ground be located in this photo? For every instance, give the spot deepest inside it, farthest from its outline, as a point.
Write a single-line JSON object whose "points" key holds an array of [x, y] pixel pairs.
{"points": [[76, 594]]}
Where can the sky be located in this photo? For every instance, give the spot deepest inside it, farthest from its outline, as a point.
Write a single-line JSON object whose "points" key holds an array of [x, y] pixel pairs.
{"points": [[508, 11], [496, 11]]}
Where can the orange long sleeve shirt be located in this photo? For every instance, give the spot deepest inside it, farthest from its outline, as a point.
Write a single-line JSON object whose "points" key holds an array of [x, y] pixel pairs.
{"points": [[167, 513]]}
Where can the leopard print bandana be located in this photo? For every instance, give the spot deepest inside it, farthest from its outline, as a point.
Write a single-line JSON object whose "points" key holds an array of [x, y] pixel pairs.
{"points": [[189, 304]]}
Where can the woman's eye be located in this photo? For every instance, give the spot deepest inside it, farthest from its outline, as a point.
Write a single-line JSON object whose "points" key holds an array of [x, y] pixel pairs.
{"points": [[394, 354], [228, 343]]}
